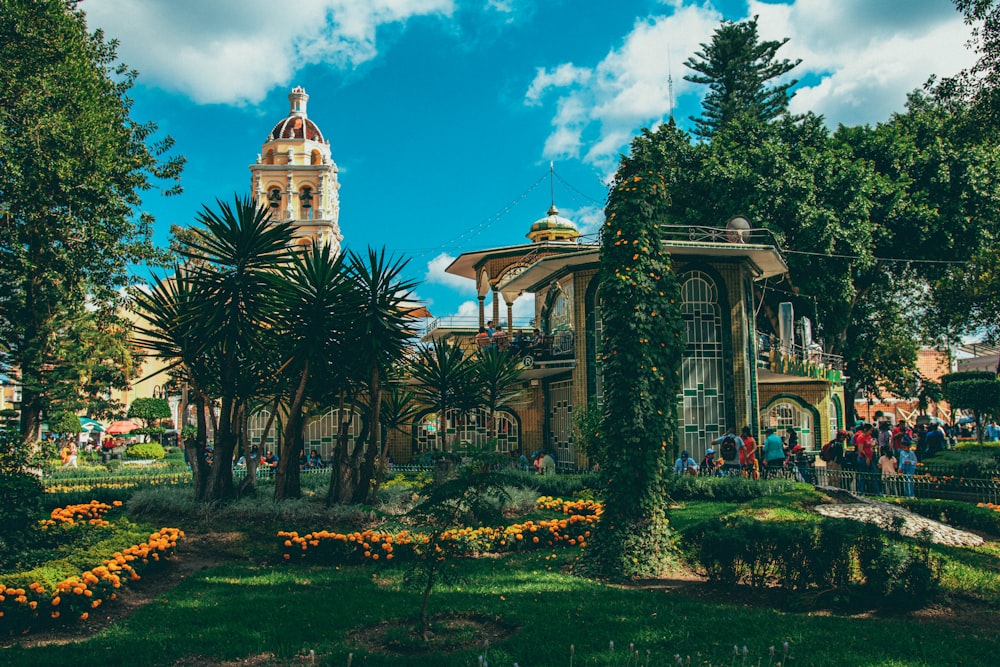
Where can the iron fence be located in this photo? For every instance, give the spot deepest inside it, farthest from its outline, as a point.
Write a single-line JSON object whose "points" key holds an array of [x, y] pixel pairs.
{"points": [[971, 490]]}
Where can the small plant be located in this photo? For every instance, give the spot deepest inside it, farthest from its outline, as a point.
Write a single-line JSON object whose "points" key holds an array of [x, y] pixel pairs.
{"points": [[464, 500]]}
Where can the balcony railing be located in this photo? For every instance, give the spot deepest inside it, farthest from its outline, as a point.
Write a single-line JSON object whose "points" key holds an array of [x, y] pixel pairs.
{"points": [[792, 359], [471, 322], [700, 234]]}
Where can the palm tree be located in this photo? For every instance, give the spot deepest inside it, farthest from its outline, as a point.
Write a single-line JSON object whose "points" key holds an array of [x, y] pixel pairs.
{"points": [[316, 303], [498, 376], [237, 254], [171, 330], [382, 335], [444, 379]]}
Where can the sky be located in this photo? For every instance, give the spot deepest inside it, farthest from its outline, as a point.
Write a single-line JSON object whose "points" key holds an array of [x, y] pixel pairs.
{"points": [[444, 116]]}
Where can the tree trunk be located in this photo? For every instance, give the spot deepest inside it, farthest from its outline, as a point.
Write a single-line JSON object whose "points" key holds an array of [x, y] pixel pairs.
{"points": [[365, 490], [195, 449], [221, 486], [287, 480], [31, 416], [342, 482]]}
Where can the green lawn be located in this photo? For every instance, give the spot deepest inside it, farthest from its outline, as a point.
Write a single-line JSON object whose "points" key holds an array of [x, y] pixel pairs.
{"points": [[234, 612], [272, 613]]}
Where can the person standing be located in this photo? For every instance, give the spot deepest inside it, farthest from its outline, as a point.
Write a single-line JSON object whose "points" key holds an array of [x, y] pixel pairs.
{"points": [[730, 448], [70, 455], [834, 457], [887, 466], [748, 455], [907, 468], [774, 453], [867, 464]]}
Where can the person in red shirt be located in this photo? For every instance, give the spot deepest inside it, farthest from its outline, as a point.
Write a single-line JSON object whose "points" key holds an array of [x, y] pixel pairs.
{"points": [[748, 454], [867, 474], [900, 434]]}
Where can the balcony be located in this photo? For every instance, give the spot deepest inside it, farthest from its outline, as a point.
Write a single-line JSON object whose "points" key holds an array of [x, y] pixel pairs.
{"points": [[793, 359]]}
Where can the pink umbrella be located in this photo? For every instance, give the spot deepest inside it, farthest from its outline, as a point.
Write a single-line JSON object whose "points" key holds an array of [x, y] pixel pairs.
{"points": [[122, 427]]}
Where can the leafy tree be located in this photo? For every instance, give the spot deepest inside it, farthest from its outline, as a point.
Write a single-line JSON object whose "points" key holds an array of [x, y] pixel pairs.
{"points": [[149, 410], [72, 167], [313, 306], [470, 499], [65, 423], [641, 353], [737, 66], [242, 250], [978, 391], [381, 336], [399, 410]]}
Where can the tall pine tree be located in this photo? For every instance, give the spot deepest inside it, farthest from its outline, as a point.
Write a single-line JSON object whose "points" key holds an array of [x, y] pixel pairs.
{"points": [[736, 66]]}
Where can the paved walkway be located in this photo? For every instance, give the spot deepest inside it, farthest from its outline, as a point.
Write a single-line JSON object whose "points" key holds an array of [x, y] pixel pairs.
{"points": [[866, 509]]}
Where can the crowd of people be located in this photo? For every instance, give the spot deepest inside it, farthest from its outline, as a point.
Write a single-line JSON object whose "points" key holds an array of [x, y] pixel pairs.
{"points": [[494, 336], [884, 454]]}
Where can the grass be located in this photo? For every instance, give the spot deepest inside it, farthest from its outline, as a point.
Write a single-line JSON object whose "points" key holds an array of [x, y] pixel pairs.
{"points": [[262, 607], [298, 609]]}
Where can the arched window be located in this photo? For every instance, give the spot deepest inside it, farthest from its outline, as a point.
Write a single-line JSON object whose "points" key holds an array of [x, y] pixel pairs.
{"points": [[269, 157], [702, 400], [316, 157], [785, 415], [321, 433], [274, 200], [472, 427]]}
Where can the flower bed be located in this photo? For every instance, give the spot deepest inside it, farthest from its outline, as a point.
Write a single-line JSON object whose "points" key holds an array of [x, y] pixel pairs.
{"points": [[371, 546], [22, 609], [91, 513]]}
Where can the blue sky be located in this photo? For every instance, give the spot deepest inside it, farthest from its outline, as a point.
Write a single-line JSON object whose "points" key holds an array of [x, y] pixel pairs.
{"points": [[443, 115]]}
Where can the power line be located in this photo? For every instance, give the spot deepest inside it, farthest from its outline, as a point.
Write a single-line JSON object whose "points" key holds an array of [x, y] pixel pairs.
{"points": [[878, 259]]}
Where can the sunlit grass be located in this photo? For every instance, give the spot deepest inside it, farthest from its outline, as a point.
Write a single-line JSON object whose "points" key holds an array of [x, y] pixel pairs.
{"points": [[232, 612]]}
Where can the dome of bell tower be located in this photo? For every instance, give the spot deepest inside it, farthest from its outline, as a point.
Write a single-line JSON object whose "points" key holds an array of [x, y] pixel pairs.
{"points": [[297, 125]]}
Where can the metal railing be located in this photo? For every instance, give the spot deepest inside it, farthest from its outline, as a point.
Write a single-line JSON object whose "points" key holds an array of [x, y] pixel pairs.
{"points": [[794, 359], [706, 234], [913, 486]]}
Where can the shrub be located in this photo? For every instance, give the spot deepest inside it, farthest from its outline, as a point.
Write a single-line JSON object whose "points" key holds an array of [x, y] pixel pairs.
{"points": [[146, 450], [20, 501], [726, 489], [956, 513], [829, 554]]}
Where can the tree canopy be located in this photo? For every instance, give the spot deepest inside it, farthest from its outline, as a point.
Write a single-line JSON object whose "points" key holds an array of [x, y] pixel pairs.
{"points": [[73, 165]]}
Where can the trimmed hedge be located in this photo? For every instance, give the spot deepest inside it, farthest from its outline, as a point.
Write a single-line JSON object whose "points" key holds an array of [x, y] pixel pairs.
{"points": [[955, 513], [146, 450], [832, 554]]}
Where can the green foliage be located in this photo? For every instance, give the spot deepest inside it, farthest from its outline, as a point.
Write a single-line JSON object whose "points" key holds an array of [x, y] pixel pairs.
{"points": [[956, 513], [833, 554], [65, 423], [979, 392], [445, 380], [20, 501], [149, 409], [557, 486], [587, 424], [68, 141], [726, 489], [145, 450], [641, 357], [736, 67]]}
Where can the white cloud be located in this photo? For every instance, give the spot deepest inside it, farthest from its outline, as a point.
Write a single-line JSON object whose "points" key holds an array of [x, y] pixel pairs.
{"points": [[564, 75], [235, 51], [865, 56], [436, 274], [868, 55], [598, 109]]}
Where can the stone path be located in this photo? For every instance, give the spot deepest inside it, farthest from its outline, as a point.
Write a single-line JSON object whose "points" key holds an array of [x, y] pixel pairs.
{"points": [[860, 508]]}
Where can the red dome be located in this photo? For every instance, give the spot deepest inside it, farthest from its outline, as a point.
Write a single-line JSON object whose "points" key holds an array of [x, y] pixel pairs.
{"points": [[296, 127]]}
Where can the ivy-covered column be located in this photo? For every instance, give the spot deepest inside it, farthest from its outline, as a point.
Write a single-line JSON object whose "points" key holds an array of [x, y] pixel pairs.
{"points": [[641, 351]]}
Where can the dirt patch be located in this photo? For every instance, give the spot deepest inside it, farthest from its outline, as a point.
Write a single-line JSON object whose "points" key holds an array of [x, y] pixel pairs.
{"points": [[451, 632]]}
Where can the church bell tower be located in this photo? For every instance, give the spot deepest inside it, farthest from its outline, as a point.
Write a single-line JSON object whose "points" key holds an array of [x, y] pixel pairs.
{"points": [[296, 177]]}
